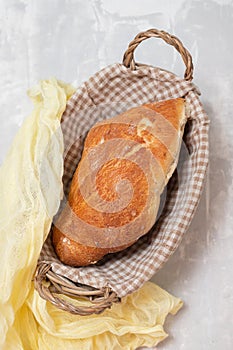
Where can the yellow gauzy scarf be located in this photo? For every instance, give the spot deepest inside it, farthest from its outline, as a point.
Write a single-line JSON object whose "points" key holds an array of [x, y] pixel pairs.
{"points": [[30, 198]]}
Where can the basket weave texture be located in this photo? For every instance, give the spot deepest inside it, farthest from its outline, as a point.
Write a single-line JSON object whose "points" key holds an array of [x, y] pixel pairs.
{"points": [[109, 92]]}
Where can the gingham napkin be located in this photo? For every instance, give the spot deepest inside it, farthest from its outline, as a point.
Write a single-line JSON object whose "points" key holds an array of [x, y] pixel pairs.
{"points": [[113, 90]]}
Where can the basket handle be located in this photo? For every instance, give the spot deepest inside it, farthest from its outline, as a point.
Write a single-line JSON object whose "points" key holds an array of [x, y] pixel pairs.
{"points": [[128, 59]]}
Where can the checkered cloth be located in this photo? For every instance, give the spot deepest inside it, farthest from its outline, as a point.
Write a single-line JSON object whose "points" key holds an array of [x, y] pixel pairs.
{"points": [[109, 92]]}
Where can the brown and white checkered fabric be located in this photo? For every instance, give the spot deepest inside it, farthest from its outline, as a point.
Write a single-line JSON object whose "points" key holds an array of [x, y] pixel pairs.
{"points": [[113, 90]]}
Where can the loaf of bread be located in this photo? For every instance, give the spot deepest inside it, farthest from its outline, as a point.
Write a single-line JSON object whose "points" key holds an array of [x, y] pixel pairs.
{"points": [[115, 191]]}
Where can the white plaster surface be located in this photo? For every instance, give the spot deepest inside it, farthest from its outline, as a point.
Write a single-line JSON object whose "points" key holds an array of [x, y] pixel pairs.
{"points": [[72, 39]]}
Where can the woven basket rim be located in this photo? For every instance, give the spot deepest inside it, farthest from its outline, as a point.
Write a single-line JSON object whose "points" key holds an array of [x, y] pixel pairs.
{"points": [[99, 299]]}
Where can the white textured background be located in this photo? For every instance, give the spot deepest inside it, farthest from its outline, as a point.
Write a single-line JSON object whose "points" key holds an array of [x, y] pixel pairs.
{"points": [[73, 39]]}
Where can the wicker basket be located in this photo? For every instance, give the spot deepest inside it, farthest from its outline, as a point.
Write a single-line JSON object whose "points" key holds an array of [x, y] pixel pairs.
{"points": [[93, 289]]}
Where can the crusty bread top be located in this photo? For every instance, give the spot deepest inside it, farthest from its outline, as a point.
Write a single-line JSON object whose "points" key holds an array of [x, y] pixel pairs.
{"points": [[126, 162]]}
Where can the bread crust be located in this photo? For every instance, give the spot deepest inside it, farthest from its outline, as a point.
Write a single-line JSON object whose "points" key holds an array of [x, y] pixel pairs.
{"points": [[87, 229]]}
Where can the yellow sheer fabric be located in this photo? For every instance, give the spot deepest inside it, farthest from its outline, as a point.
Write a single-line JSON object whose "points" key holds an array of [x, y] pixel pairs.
{"points": [[30, 193]]}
